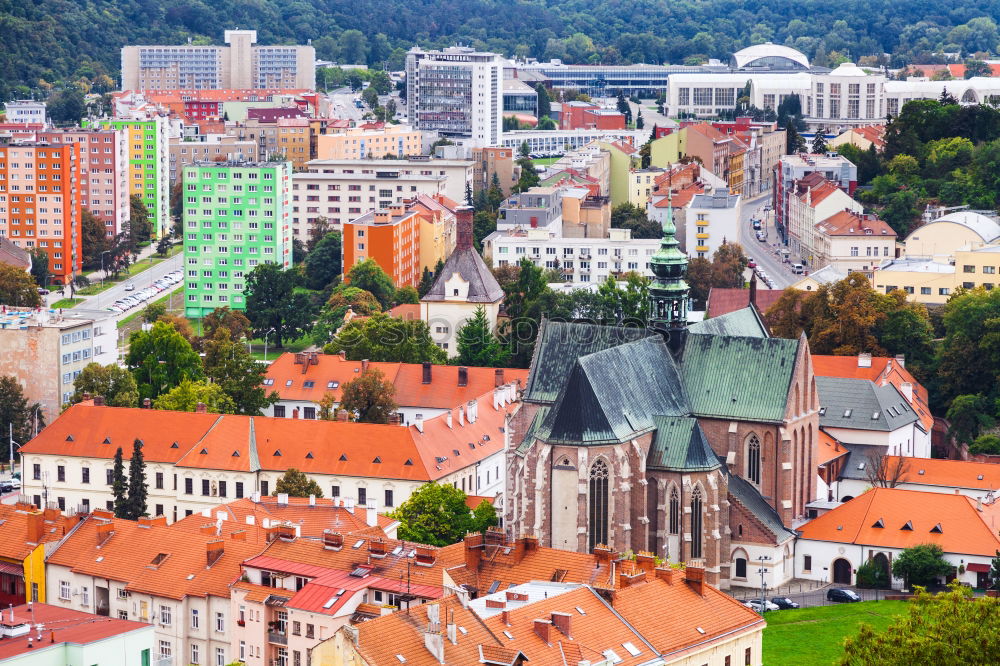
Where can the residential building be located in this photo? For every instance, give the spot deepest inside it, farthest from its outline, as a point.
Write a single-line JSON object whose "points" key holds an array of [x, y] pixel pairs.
{"points": [[880, 524], [148, 152], [812, 200], [187, 150], [295, 141], [765, 144], [245, 455], [559, 142], [45, 352], [219, 199], [456, 92], [814, 279], [977, 480], [40, 202], [302, 380], [72, 637], [641, 184], [26, 535], [659, 616], [714, 220], [792, 168], [357, 143], [492, 161], [538, 208], [588, 166], [25, 111], [853, 242], [104, 169], [389, 236], [241, 65], [587, 115], [457, 174], [173, 578], [585, 215], [863, 137], [437, 228], [462, 286]]}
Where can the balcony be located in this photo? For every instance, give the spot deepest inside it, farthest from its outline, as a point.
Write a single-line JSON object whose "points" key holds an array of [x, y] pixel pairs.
{"points": [[278, 638]]}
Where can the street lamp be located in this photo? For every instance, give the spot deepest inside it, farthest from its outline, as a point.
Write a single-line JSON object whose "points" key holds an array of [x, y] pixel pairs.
{"points": [[266, 333], [763, 584]]}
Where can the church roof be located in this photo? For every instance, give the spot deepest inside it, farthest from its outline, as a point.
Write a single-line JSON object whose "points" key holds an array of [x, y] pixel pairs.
{"points": [[861, 404], [483, 287], [744, 493], [558, 347], [680, 445], [745, 322], [738, 377], [613, 394]]}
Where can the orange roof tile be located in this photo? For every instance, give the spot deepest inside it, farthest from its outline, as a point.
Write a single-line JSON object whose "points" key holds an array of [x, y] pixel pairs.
{"points": [[960, 528], [817, 192], [827, 449], [17, 523], [849, 223], [406, 311], [951, 473], [883, 370], [472, 501]]}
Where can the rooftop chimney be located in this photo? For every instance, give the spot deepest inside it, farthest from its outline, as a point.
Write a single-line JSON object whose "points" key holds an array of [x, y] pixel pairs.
{"points": [[418, 422], [646, 561], [463, 228], [201, 408], [333, 540], [104, 532], [213, 551], [282, 498], [472, 409], [451, 628], [901, 360], [561, 621], [99, 400], [498, 377], [364, 365], [463, 376], [147, 403], [36, 525], [667, 574], [542, 629], [694, 575], [426, 379], [864, 360], [312, 500], [473, 550], [371, 515]]}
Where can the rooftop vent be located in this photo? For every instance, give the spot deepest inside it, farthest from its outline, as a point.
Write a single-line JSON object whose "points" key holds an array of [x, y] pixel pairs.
{"points": [[937, 529], [908, 526]]}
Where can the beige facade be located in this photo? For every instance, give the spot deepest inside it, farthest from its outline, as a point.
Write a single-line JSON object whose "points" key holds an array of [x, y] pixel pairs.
{"points": [[933, 283], [584, 216], [939, 239], [494, 161], [294, 141], [357, 143], [641, 184], [804, 212], [208, 148]]}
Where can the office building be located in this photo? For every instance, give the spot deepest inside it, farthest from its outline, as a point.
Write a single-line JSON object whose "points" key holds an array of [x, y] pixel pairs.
{"points": [[241, 65], [236, 216], [456, 92], [40, 202], [519, 99]]}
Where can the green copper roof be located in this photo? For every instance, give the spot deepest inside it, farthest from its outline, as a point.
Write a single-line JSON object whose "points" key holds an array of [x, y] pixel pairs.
{"points": [[745, 322], [680, 445], [738, 377]]}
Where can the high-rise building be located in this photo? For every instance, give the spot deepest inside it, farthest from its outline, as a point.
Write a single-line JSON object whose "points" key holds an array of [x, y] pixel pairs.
{"points": [[235, 218], [456, 92], [239, 66], [40, 202], [389, 236], [147, 149], [104, 189]]}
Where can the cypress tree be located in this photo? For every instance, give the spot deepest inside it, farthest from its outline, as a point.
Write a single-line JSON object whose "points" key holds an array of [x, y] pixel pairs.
{"points": [[118, 486], [136, 502]]}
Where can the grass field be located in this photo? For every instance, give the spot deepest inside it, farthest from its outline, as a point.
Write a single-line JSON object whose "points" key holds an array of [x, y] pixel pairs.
{"points": [[545, 161], [66, 302], [816, 635]]}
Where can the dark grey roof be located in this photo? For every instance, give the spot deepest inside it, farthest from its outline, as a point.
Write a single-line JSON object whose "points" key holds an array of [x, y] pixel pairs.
{"points": [[752, 500], [856, 464], [614, 394], [14, 255], [680, 445], [745, 322], [560, 344], [862, 405], [532, 432], [483, 287]]}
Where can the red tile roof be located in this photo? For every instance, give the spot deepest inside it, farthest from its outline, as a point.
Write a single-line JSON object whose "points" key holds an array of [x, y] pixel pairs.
{"points": [[827, 449], [61, 625], [883, 370], [849, 223], [17, 522], [951, 473], [896, 518], [723, 300]]}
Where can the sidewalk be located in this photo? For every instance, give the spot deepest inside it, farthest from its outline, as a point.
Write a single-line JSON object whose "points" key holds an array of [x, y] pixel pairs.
{"points": [[95, 278], [795, 586]]}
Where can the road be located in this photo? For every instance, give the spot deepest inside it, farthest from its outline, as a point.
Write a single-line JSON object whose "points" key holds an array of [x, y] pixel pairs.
{"points": [[141, 281], [764, 254], [813, 597], [342, 105]]}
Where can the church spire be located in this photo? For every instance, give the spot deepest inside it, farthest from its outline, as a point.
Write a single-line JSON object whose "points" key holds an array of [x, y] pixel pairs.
{"points": [[668, 293]]}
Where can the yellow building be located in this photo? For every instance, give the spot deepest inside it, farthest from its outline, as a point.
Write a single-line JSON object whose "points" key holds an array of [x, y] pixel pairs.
{"points": [[24, 534], [437, 228], [584, 215], [623, 158], [357, 143], [939, 239], [924, 281], [641, 184], [294, 141], [737, 159]]}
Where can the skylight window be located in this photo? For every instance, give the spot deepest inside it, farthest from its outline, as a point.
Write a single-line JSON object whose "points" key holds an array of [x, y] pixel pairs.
{"points": [[308, 384], [494, 587], [329, 603], [580, 611], [401, 658], [822, 411], [158, 560], [269, 381], [631, 649], [847, 413], [332, 385], [288, 383], [613, 657], [358, 543], [508, 635]]}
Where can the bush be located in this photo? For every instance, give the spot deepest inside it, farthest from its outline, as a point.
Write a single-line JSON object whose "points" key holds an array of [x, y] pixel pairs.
{"points": [[988, 444], [872, 576]]}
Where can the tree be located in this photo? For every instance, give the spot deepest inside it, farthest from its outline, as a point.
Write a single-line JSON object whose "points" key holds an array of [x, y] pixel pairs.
{"points": [[986, 444], [921, 565], [630, 216], [436, 514], [273, 306], [477, 346], [186, 396], [323, 263], [352, 48], [164, 245], [484, 516], [93, 238], [819, 143], [40, 266], [18, 288], [872, 576], [153, 312], [994, 573], [380, 81], [524, 149], [318, 230], [407, 296], [369, 397], [112, 382], [977, 68], [16, 411], [140, 229], [137, 489], [331, 316], [426, 282], [529, 175], [327, 407], [547, 124], [883, 473], [946, 628], [228, 363], [119, 487], [640, 122], [370, 97], [969, 415], [160, 359], [66, 107], [368, 275], [234, 320], [544, 102], [296, 484]]}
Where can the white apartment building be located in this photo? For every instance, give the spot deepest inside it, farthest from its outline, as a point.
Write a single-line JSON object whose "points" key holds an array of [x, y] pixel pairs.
{"points": [[25, 111], [812, 200], [715, 219], [853, 242], [456, 92], [558, 142]]}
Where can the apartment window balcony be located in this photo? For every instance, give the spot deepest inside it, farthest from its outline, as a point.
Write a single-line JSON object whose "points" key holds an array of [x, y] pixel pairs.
{"points": [[702, 235], [277, 637]]}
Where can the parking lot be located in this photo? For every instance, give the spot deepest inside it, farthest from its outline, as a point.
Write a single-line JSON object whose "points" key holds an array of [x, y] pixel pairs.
{"points": [[139, 297]]}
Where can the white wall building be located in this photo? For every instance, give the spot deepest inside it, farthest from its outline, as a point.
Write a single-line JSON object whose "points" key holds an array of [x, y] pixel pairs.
{"points": [[558, 142], [712, 219], [25, 111]]}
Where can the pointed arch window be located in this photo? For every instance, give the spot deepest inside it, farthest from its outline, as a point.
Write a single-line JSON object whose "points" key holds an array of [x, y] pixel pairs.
{"points": [[753, 460], [675, 511], [696, 522], [598, 503]]}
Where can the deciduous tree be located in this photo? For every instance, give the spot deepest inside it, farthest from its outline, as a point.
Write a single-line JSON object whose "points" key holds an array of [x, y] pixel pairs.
{"points": [[273, 306], [112, 382], [16, 411], [228, 363], [368, 275], [160, 359], [384, 338], [297, 484], [140, 229], [234, 320], [93, 238], [921, 565], [436, 514], [18, 288], [323, 263], [369, 397], [185, 398]]}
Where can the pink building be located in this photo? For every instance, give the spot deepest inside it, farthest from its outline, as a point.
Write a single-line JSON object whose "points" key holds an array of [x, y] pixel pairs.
{"points": [[103, 173]]}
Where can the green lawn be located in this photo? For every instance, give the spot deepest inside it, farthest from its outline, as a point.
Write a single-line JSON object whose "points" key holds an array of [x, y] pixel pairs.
{"points": [[816, 635], [66, 302], [257, 347], [545, 161]]}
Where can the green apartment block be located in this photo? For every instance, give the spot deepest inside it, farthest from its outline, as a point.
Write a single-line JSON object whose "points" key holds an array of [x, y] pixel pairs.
{"points": [[235, 217], [148, 151]]}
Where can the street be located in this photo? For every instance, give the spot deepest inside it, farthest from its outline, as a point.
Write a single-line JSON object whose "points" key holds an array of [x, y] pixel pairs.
{"points": [[807, 593], [764, 255]]}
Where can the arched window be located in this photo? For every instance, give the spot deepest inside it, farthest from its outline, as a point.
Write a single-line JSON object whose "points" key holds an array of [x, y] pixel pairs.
{"points": [[696, 523], [675, 511], [741, 567], [598, 503], [753, 460]]}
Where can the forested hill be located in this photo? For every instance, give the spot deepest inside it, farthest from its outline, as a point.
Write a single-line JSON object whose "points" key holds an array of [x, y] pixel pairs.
{"points": [[45, 42]]}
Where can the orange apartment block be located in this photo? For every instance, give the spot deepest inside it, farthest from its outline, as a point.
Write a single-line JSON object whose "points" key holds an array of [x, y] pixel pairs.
{"points": [[40, 202], [389, 236]]}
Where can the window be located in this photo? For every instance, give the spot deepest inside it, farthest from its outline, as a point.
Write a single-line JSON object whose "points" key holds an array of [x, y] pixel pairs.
{"points": [[696, 503], [296, 628], [36, 472], [753, 460], [195, 621], [968, 269], [741, 567], [206, 487], [675, 511], [309, 631], [188, 486], [220, 623], [239, 489], [165, 617], [64, 589], [926, 291], [944, 291], [334, 491], [195, 649], [222, 488], [85, 475], [60, 472], [989, 270], [263, 488], [309, 412], [363, 496], [220, 656], [807, 562], [165, 649], [388, 498], [243, 650], [279, 411], [598, 503], [854, 251], [747, 656], [159, 480]]}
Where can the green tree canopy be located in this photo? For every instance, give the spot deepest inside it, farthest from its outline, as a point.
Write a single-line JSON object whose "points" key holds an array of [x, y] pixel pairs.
{"points": [[437, 515], [186, 396], [137, 488], [630, 216], [384, 338], [368, 275], [119, 486], [228, 363], [140, 228], [331, 316], [93, 238], [18, 412], [969, 415], [297, 484], [323, 263], [18, 288], [478, 346], [273, 306], [234, 320], [114, 383], [921, 565], [369, 397], [160, 359], [40, 266]]}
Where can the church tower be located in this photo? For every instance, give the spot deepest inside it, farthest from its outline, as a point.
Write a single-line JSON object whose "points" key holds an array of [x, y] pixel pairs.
{"points": [[668, 294]]}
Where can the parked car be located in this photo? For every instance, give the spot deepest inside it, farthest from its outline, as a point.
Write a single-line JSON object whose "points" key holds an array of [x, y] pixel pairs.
{"points": [[751, 263], [756, 225], [841, 594], [783, 603], [761, 236], [130, 286], [756, 605]]}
